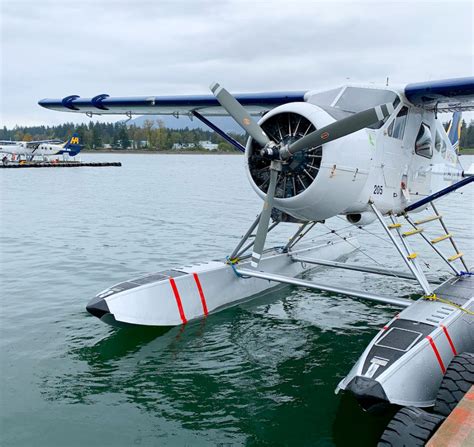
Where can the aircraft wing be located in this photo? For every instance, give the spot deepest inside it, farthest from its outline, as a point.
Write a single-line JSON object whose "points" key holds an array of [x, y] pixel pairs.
{"points": [[35, 144], [448, 95], [255, 103]]}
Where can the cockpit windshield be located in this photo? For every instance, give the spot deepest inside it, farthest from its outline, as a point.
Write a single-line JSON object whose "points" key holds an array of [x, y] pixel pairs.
{"points": [[326, 98], [345, 101], [356, 99]]}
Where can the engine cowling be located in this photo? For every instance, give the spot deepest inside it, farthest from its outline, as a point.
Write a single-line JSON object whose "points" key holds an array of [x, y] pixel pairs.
{"points": [[319, 182]]}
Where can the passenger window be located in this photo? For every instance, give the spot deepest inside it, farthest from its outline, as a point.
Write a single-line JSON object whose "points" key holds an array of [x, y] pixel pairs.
{"points": [[397, 127], [424, 140]]}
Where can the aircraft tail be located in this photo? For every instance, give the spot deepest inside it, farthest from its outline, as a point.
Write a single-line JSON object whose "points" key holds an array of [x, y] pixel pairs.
{"points": [[454, 130], [73, 146]]}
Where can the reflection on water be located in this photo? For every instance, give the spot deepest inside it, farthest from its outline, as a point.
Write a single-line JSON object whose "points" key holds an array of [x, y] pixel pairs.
{"points": [[355, 427], [262, 373], [259, 370]]}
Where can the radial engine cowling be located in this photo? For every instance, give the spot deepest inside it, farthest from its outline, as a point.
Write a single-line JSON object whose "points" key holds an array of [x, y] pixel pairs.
{"points": [[319, 182]]}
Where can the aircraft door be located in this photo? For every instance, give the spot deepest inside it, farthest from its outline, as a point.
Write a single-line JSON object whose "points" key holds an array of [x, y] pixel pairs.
{"points": [[421, 163], [394, 151]]}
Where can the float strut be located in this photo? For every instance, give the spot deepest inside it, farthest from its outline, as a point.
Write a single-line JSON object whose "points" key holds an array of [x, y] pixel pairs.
{"points": [[408, 258], [244, 238], [399, 302]]}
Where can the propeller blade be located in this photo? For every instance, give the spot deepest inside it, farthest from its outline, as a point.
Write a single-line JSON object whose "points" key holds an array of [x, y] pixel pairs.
{"points": [[262, 229], [240, 115], [340, 128]]}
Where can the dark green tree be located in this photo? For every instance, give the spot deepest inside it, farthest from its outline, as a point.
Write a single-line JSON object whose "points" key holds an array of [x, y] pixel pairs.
{"points": [[123, 137]]}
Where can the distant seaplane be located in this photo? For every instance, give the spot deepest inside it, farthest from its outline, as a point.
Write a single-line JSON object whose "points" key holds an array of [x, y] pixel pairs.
{"points": [[42, 148], [368, 154]]}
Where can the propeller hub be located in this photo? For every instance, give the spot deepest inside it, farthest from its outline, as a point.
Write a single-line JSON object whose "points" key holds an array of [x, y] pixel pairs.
{"points": [[270, 151], [298, 170]]}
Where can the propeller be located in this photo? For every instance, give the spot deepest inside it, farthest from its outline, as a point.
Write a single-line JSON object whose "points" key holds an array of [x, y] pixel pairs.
{"points": [[243, 118], [278, 154], [240, 115], [262, 229]]}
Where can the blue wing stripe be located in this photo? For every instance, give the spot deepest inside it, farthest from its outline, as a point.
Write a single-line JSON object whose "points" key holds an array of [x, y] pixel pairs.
{"points": [[166, 104], [447, 94]]}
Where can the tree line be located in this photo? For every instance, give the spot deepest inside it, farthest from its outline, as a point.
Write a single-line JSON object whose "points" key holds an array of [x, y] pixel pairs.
{"points": [[153, 135], [467, 135]]}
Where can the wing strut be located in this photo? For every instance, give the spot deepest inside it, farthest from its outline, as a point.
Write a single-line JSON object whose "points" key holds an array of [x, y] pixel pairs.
{"points": [[219, 131], [439, 194]]}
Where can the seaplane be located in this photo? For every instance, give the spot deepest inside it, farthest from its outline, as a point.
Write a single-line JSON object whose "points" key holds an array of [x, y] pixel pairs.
{"points": [[369, 154], [42, 148]]}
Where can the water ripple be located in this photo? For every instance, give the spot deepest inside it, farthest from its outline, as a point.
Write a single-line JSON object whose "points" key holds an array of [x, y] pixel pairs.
{"points": [[262, 373]]}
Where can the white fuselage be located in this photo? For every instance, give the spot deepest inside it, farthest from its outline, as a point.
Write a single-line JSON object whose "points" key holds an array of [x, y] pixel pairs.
{"points": [[17, 148], [391, 166], [21, 148]]}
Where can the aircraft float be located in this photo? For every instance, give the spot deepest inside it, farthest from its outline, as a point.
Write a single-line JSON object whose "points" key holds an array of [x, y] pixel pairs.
{"points": [[368, 153], [42, 148]]}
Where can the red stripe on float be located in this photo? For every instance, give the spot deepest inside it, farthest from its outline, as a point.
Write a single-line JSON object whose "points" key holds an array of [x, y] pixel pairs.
{"points": [[435, 350], [201, 294], [445, 330], [178, 301]]}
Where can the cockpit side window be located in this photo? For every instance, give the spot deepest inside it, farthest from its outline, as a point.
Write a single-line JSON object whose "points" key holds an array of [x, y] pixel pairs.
{"points": [[397, 126], [424, 141]]}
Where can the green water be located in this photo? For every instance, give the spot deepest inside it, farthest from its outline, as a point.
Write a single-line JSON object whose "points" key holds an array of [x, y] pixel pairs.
{"points": [[262, 373]]}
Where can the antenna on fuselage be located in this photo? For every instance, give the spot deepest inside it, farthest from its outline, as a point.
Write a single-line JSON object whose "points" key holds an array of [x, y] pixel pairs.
{"points": [[386, 83]]}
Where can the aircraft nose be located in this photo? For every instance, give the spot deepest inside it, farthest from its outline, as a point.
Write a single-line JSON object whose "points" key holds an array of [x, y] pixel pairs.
{"points": [[98, 307]]}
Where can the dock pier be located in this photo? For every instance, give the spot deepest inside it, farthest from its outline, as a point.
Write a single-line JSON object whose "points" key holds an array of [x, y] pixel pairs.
{"points": [[58, 164]]}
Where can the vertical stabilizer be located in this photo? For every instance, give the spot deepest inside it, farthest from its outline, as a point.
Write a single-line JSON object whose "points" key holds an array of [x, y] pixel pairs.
{"points": [[73, 146], [454, 130]]}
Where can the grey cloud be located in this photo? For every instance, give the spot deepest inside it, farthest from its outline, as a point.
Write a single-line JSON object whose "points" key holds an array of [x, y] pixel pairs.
{"points": [[56, 48]]}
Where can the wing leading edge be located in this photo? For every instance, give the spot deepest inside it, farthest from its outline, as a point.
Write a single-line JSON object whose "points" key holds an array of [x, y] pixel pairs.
{"points": [[447, 95], [255, 103]]}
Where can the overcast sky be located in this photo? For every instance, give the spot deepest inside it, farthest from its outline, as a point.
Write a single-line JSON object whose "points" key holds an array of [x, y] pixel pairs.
{"points": [[58, 48]]}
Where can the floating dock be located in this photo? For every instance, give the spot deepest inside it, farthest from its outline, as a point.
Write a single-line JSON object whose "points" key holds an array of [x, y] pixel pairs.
{"points": [[458, 428], [58, 164]]}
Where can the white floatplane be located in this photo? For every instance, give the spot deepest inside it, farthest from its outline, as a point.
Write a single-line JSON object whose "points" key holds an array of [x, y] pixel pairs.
{"points": [[42, 148], [370, 154]]}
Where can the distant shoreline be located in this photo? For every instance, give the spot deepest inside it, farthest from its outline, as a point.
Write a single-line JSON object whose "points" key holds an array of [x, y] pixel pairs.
{"points": [[467, 151], [141, 151]]}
